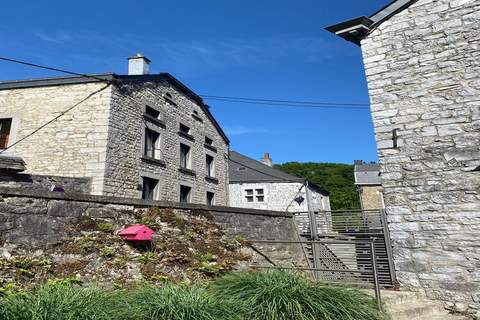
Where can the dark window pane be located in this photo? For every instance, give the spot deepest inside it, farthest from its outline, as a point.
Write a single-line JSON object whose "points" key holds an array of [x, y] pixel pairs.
{"points": [[184, 156], [185, 194], [208, 141], [151, 139], [148, 188], [184, 128], [5, 125], [249, 198], [152, 112], [249, 191], [260, 198], [259, 191], [210, 198]]}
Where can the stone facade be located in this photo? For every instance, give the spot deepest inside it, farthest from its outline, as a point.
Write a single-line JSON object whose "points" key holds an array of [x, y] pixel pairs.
{"points": [[103, 138], [36, 219], [278, 196], [423, 71]]}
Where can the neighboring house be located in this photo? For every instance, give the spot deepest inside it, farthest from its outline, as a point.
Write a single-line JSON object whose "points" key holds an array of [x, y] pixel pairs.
{"points": [[422, 61], [256, 184], [369, 185], [145, 135]]}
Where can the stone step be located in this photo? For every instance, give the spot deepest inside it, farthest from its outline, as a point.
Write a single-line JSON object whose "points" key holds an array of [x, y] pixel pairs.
{"points": [[390, 297], [448, 317], [419, 310]]}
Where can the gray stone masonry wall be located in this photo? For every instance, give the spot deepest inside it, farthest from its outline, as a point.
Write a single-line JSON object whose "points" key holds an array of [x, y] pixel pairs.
{"points": [[38, 182], [423, 71], [124, 163], [75, 144], [370, 197], [37, 219]]}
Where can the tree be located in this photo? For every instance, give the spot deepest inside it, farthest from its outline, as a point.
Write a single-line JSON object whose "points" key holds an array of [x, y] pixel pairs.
{"points": [[337, 178]]}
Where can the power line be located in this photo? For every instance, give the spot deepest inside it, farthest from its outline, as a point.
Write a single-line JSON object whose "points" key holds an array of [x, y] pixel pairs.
{"points": [[56, 118], [292, 105], [229, 99], [53, 69], [285, 101]]}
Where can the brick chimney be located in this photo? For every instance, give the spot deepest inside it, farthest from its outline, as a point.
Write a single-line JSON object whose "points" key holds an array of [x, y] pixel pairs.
{"points": [[266, 159], [138, 65]]}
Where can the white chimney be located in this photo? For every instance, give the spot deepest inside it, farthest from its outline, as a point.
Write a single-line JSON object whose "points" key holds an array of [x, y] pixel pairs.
{"points": [[266, 159], [138, 65]]}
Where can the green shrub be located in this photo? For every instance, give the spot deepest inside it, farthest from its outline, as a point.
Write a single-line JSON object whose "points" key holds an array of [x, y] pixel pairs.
{"points": [[174, 302], [279, 295], [56, 302]]}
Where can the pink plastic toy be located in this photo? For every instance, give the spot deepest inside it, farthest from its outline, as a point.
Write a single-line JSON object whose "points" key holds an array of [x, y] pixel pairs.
{"points": [[137, 232]]}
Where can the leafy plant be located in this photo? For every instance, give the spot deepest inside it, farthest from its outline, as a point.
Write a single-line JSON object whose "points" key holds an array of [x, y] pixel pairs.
{"points": [[279, 295], [106, 227]]}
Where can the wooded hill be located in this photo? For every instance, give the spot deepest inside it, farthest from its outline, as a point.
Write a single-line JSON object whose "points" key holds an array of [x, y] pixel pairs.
{"points": [[337, 178]]}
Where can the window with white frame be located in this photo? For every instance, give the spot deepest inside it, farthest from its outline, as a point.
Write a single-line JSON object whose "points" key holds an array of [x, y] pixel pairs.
{"points": [[254, 195], [5, 127], [149, 188], [185, 156], [152, 144], [210, 165]]}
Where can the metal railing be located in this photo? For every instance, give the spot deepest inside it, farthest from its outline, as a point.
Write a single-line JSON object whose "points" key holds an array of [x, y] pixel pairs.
{"points": [[341, 262]]}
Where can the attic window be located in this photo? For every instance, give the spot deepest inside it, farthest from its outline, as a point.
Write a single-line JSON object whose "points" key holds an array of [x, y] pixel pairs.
{"points": [[241, 168], [208, 141], [169, 98], [184, 129]]}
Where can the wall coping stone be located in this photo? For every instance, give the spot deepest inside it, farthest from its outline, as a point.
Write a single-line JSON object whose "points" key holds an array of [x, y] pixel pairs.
{"points": [[18, 192]]}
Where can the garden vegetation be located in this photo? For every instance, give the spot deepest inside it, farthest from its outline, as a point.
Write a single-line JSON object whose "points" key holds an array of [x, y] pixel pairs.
{"points": [[273, 295]]}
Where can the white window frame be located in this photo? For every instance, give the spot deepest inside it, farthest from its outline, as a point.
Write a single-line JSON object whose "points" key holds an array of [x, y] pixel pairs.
{"points": [[157, 146]]}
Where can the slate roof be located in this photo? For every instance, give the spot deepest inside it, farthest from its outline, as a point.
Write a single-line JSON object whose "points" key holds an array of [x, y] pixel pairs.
{"points": [[367, 174], [9, 163], [43, 82], [355, 30], [243, 169]]}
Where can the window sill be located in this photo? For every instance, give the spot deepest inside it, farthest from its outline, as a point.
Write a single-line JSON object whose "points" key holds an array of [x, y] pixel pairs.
{"points": [[154, 161], [211, 179], [186, 136], [153, 120], [209, 147], [187, 171]]}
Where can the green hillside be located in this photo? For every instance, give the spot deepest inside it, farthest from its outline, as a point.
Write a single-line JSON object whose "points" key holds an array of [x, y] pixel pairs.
{"points": [[337, 178]]}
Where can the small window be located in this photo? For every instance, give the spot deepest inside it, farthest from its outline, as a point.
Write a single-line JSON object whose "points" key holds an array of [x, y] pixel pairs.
{"points": [[254, 195], [184, 129], [5, 126], [208, 141], [149, 111], [210, 165], [210, 198], [149, 188], [152, 144], [169, 98], [185, 194], [185, 156]]}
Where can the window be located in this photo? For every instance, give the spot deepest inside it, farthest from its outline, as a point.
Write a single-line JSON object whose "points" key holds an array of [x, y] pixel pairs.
{"points": [[184, 129], [149, 111], [152, 144], [185, 194], [249, 195], [210, 198], [169, 98], [5, 126], [256, 195], [185, 156], [210, 164], [149, 188], [208, 141], [259, 194]]}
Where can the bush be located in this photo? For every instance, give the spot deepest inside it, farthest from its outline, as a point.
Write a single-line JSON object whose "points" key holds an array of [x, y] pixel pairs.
{"points": [[279, 295], [56, 302], [174, 302]]}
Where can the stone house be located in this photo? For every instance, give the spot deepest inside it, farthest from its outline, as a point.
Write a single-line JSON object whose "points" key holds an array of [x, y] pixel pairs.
{"points": [[422, 62], [139, 135], [369, 185], [256, 184]]}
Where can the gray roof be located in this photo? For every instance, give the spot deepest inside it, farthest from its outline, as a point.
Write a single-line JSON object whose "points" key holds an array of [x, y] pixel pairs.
{"points": [[243, 169], [114, 78], [355, 30], [9, 163], [367, 174]]}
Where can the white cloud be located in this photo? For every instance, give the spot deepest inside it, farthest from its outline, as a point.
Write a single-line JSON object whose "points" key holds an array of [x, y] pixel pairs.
{"points": [[239, 130], [56, 37]]}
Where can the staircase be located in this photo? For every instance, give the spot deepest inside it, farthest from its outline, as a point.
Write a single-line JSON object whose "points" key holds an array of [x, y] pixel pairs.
{"points": [[404, 305]]}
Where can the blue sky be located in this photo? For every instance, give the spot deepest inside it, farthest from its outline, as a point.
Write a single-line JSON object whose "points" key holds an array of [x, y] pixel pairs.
{"points": [[273, 49]]}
